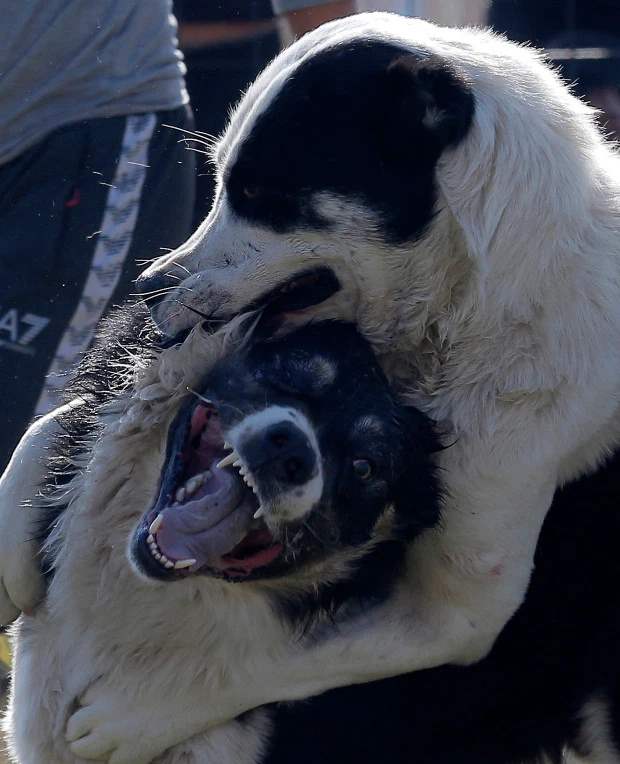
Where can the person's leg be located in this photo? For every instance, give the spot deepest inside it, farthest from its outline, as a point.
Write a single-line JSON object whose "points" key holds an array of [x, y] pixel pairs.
{"points": [[76, 212]]}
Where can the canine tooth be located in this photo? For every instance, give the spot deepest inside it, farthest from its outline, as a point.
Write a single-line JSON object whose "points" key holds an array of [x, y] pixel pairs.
{"points": [[259, 513], [180, 495], [169, 565], [193, 484], [180, 564], [229, 459], [156, 524]]}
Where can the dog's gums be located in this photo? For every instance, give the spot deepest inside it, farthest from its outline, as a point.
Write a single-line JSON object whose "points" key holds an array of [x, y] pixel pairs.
{"points": [[208, 514]]}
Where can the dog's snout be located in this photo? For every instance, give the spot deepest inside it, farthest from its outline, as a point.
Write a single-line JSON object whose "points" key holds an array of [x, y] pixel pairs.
{"points": [[154, 286], [285, 449]]}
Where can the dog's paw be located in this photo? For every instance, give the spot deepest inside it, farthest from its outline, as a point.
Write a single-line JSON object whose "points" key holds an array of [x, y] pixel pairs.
{"points": [[21, 584], [106, 728]]}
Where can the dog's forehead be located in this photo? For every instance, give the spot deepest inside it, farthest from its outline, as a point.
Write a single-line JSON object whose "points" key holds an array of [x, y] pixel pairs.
{"points": [[366, 30], [313, 370], [370, 425], [300, 100]]}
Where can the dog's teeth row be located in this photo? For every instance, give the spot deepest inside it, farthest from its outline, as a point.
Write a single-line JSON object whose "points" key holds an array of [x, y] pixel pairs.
{"points": [[191, 485], [161, 558], [233, 459]]}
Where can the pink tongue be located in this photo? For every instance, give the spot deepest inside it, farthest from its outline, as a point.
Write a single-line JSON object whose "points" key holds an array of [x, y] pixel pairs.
{"points": [[209, 526]]}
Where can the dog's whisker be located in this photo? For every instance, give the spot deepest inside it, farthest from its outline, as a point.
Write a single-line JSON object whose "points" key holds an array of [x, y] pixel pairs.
{"points": [[199, 396], [179, 265], [311, 530], [195, 310]]}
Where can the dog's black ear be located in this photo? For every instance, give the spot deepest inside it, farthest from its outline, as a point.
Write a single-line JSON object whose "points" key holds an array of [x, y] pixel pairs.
{"points": [[426, 100]]}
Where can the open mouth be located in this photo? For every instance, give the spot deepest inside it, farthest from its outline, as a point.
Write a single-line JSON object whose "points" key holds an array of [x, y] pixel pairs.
{"points": [[207, 515], [302, 291]]}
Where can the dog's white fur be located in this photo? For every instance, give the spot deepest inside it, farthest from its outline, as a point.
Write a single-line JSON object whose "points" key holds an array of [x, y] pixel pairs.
{"points": [[502, 322], [99, 621]]}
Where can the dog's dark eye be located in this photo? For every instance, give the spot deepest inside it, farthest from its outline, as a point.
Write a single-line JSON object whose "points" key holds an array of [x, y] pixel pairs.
{"points": [[362, 468], [251, 191]]}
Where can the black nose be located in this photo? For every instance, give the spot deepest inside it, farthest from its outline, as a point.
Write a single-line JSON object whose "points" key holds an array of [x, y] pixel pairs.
{"points": [[284, 452], [154, 287]]}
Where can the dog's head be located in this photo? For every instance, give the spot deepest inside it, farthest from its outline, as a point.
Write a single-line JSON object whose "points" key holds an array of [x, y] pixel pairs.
{"points": [[296, 451], [389, 172]]}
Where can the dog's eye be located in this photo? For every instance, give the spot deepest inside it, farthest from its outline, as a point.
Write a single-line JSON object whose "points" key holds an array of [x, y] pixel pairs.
{"points": [[362, 468], [251, 191]]}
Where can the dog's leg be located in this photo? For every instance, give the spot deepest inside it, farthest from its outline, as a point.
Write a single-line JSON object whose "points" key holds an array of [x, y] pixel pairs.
{"points": [[463, 585], [21, 584]]}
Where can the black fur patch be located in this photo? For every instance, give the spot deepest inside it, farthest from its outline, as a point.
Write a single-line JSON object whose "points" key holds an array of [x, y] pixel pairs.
{"points": [[363, 120], [523, 701]]}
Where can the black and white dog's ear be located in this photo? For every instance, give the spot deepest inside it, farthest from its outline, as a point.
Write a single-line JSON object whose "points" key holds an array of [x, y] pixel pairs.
{"points": [[426, 98]]}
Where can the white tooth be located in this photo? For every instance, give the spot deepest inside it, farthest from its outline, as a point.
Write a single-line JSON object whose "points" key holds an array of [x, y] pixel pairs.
{"points": [[150, 539], [157, 556], [180, 495], [227, 446], [180, 564], [169, 564], [228, 460], [237, 463], [259, 513], [156, 524], [164, 558], [193, 485]]}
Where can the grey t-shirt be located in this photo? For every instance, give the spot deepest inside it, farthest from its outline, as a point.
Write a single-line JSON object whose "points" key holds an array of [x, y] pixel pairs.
{"points": [[62, 61]]}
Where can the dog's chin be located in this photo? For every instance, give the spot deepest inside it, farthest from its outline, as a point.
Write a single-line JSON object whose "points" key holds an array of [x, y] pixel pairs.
{"points": [[206, 520]]}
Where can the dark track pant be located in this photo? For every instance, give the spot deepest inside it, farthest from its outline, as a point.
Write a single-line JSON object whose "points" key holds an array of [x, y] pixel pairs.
{"points": [[79, 214]]}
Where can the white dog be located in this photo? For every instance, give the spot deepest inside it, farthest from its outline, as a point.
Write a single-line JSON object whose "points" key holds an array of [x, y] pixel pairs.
{"points": [[444, 190]]}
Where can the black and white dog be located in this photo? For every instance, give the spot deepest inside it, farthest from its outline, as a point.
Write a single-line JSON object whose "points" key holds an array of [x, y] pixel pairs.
{"points": [[443, 190], [227, 569], [276, 499]]}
